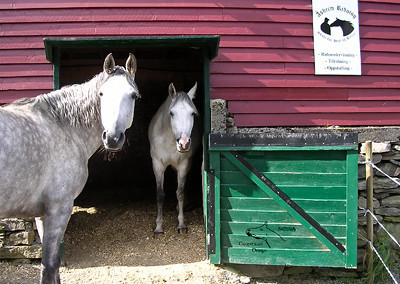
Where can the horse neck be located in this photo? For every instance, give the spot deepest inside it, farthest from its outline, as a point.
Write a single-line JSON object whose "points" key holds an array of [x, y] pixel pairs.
{"points": [[164, 118]]}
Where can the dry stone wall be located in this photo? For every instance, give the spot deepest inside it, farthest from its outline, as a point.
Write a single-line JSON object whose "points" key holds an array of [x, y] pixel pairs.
{"points": [[19, 239], [386, 157]]}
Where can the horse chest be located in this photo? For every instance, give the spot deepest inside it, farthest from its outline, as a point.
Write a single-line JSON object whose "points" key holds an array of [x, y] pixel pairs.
{"points": [[173, 159]]}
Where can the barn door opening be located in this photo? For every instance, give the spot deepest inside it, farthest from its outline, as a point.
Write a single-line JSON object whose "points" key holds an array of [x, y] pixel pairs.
{"points": [[161, 60]]}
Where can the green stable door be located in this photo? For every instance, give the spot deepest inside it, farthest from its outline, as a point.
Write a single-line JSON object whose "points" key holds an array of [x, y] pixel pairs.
{"points": [[282, 199]]}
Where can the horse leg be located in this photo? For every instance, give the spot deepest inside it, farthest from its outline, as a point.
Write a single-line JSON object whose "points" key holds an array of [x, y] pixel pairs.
{"points": [[55, 223], [159, 170], [180, 195]]}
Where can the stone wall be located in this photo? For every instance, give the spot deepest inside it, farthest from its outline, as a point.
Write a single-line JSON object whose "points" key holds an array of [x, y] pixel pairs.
{"points": [[386, 156], [19, 239]]}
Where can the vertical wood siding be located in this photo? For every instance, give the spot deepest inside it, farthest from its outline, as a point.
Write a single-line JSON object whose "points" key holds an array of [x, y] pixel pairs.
{"points": [[265, 66]]}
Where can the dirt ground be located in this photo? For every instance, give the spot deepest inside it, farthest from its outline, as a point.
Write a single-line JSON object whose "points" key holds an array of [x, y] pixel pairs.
{"points": [[113, 243]]}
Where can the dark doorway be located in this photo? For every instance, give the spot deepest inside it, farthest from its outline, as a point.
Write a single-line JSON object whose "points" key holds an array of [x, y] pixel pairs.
{"points": [[128, 176]]}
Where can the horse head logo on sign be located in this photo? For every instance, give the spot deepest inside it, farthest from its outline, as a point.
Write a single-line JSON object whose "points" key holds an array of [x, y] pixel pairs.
{"points": [[346, 26], [337, 24]]}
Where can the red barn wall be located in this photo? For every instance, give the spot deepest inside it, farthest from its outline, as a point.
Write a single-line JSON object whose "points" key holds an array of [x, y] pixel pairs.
{"points": [[265, 66]]}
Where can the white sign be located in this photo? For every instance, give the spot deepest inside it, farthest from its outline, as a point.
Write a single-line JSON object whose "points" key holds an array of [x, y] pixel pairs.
{"points": [[336, 37]]}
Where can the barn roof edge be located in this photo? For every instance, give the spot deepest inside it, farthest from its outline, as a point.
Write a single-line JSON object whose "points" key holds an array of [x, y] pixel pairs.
{"points": [[207, 42]]}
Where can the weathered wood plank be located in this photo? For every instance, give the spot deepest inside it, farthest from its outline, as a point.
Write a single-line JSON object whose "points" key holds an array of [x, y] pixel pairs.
{"points": [[262, 68], [249, 255], [99, 14], [264, 55], [247, 107], [379, 7], [302, 81], [374, 32], [274, 241], [296, 68], [262, 93], [301, 55], [289, 4], [308, 94], [320, 206], [311, 162], [316, 119], [155, 28], [380, 45], [288, 229], [281, 216], [26, 83], [23, 56], [375, 19], [8, 96], [294, 192], [289, 179], [27, 42], [25, 70]]}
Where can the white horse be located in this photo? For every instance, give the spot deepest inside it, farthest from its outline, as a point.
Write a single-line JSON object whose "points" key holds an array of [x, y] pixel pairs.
{"points": [[174, 134], [45, 146]]}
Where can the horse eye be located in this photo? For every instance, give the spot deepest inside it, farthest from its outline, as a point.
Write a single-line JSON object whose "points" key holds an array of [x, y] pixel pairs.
{"points": [[101, 94], [171, 113], [193, 113]]}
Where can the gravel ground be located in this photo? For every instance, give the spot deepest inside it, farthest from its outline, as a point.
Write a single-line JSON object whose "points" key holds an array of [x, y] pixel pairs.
{"points": [[113, 243]]}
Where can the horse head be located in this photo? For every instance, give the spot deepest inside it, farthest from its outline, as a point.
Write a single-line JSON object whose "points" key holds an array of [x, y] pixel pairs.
{"points": [[117, 101], [346, 26], [182, 114]]}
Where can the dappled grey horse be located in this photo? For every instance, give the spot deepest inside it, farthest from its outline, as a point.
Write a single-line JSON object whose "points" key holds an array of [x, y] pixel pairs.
{"points": [[174, 135], [45, 146]]}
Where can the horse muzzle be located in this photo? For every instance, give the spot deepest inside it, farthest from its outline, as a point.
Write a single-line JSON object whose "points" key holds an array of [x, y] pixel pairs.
{"points": [[183, 143], [113, 142]]}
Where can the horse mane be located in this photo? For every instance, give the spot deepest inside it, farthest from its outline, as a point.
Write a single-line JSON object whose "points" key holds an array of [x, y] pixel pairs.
{"points": [[75, 105]]}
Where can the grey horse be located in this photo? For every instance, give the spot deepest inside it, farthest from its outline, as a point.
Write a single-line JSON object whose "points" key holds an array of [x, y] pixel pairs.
{"points": [[45, 146], [174, 134]]}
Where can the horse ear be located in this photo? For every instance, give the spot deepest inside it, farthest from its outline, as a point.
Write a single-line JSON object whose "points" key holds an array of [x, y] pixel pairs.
{"points": [[109, 64], [131, 65], [171, 90], [192, 91]]}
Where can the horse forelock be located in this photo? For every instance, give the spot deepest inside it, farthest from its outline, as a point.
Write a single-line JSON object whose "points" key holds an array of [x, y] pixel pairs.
{"points": [[118, 71], [182, 96], [75, 105]]}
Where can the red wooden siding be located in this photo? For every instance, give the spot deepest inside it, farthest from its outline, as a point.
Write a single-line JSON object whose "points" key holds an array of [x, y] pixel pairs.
{"points": [[265, 66]]}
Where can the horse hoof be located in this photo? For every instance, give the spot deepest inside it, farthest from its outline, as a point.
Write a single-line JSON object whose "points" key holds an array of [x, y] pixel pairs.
{"points": [[158, 234], [182, 231]]}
